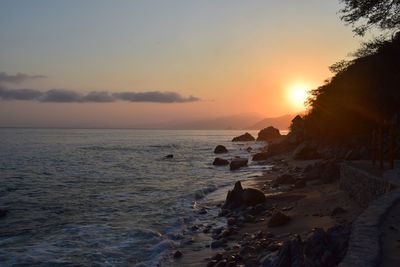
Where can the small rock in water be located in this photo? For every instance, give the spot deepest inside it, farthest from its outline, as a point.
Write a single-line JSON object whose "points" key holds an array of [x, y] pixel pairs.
{"points": [[203, 211], [220, 162], [178, 254], [3, 212], [169, 156], [220, 149]]}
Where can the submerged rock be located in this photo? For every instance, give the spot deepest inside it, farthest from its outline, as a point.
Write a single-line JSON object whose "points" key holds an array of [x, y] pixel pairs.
{"points": [[238, 163], [178, 254], [268, 134], [220, 162], [278, 219], [220, 149], [244, 138]]}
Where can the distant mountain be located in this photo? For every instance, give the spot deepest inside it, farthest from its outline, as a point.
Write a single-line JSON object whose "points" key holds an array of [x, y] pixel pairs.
{"points": [[282, 123], [234, 122]]}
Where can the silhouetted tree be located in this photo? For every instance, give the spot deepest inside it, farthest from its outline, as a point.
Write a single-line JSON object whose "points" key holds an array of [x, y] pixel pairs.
{"points": [[362, 94], [363, 14]]}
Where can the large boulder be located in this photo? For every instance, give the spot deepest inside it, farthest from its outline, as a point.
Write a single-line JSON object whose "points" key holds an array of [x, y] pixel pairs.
{"points": [[220, 162], [278, 219], [220, 149], [252, 196], [243, 197], [238, 163], [268, 134], [234, 198], [306, 151], [244, 138]]}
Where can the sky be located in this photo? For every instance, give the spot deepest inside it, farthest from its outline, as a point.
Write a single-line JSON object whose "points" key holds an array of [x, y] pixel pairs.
{"points": [[125, 63]]}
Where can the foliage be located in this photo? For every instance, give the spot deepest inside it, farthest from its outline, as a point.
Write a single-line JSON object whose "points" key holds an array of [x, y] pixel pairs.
{"points": [[363, 93], [385, 14]]}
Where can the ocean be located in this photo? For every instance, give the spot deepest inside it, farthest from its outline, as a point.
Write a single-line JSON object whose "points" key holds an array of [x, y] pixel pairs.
{"points": [[108, 197]]}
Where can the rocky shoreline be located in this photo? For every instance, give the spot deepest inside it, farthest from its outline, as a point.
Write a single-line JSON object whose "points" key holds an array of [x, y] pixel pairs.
{"points": [[294, 215]]}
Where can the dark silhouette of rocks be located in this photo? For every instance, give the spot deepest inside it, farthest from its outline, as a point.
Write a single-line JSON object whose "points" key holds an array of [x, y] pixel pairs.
{"points": [[220, 149], [261, 156], [238, 163], [244, 138], [252, 197], [243, 197], [278, 219], [268, 134], [220, 162]]}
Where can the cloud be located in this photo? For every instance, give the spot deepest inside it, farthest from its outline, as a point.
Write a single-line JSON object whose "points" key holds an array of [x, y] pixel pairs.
{"points": [[154, 96], [69, 96], [18, 78]]}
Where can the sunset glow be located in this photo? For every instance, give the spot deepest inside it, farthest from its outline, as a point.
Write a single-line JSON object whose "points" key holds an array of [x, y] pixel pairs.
{"points": [[297, 95]]}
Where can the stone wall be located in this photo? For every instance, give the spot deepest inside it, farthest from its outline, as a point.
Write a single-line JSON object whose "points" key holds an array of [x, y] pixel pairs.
{"points": [[364, 248], [362, 186]]}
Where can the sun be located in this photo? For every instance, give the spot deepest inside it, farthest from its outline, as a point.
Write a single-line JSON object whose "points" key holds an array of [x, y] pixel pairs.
{"points": [[298, 94]]}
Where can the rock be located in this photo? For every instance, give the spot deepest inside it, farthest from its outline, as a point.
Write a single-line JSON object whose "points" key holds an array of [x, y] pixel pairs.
{"points": [[169, 156], [305, 151], [231, 221], [220, 149], [244, 138], [3, 212], [177, 254], [217, 257], [234, 198], [212, 263], [283, 179], [268, 134], [337, 211], [301, 183], [327, 171], [291, 254], [220, 162], [261, 156], [221, 263], [278, 219], [252, 196], [203, 211], [243, 197], [238, 163]]}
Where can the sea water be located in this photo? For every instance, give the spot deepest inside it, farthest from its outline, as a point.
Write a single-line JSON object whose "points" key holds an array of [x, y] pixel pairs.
{"points": [[106, 197]]}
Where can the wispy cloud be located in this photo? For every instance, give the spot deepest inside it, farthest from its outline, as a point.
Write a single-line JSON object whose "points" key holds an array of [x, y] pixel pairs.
{"points": [[18, 78], [69, 96]]}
